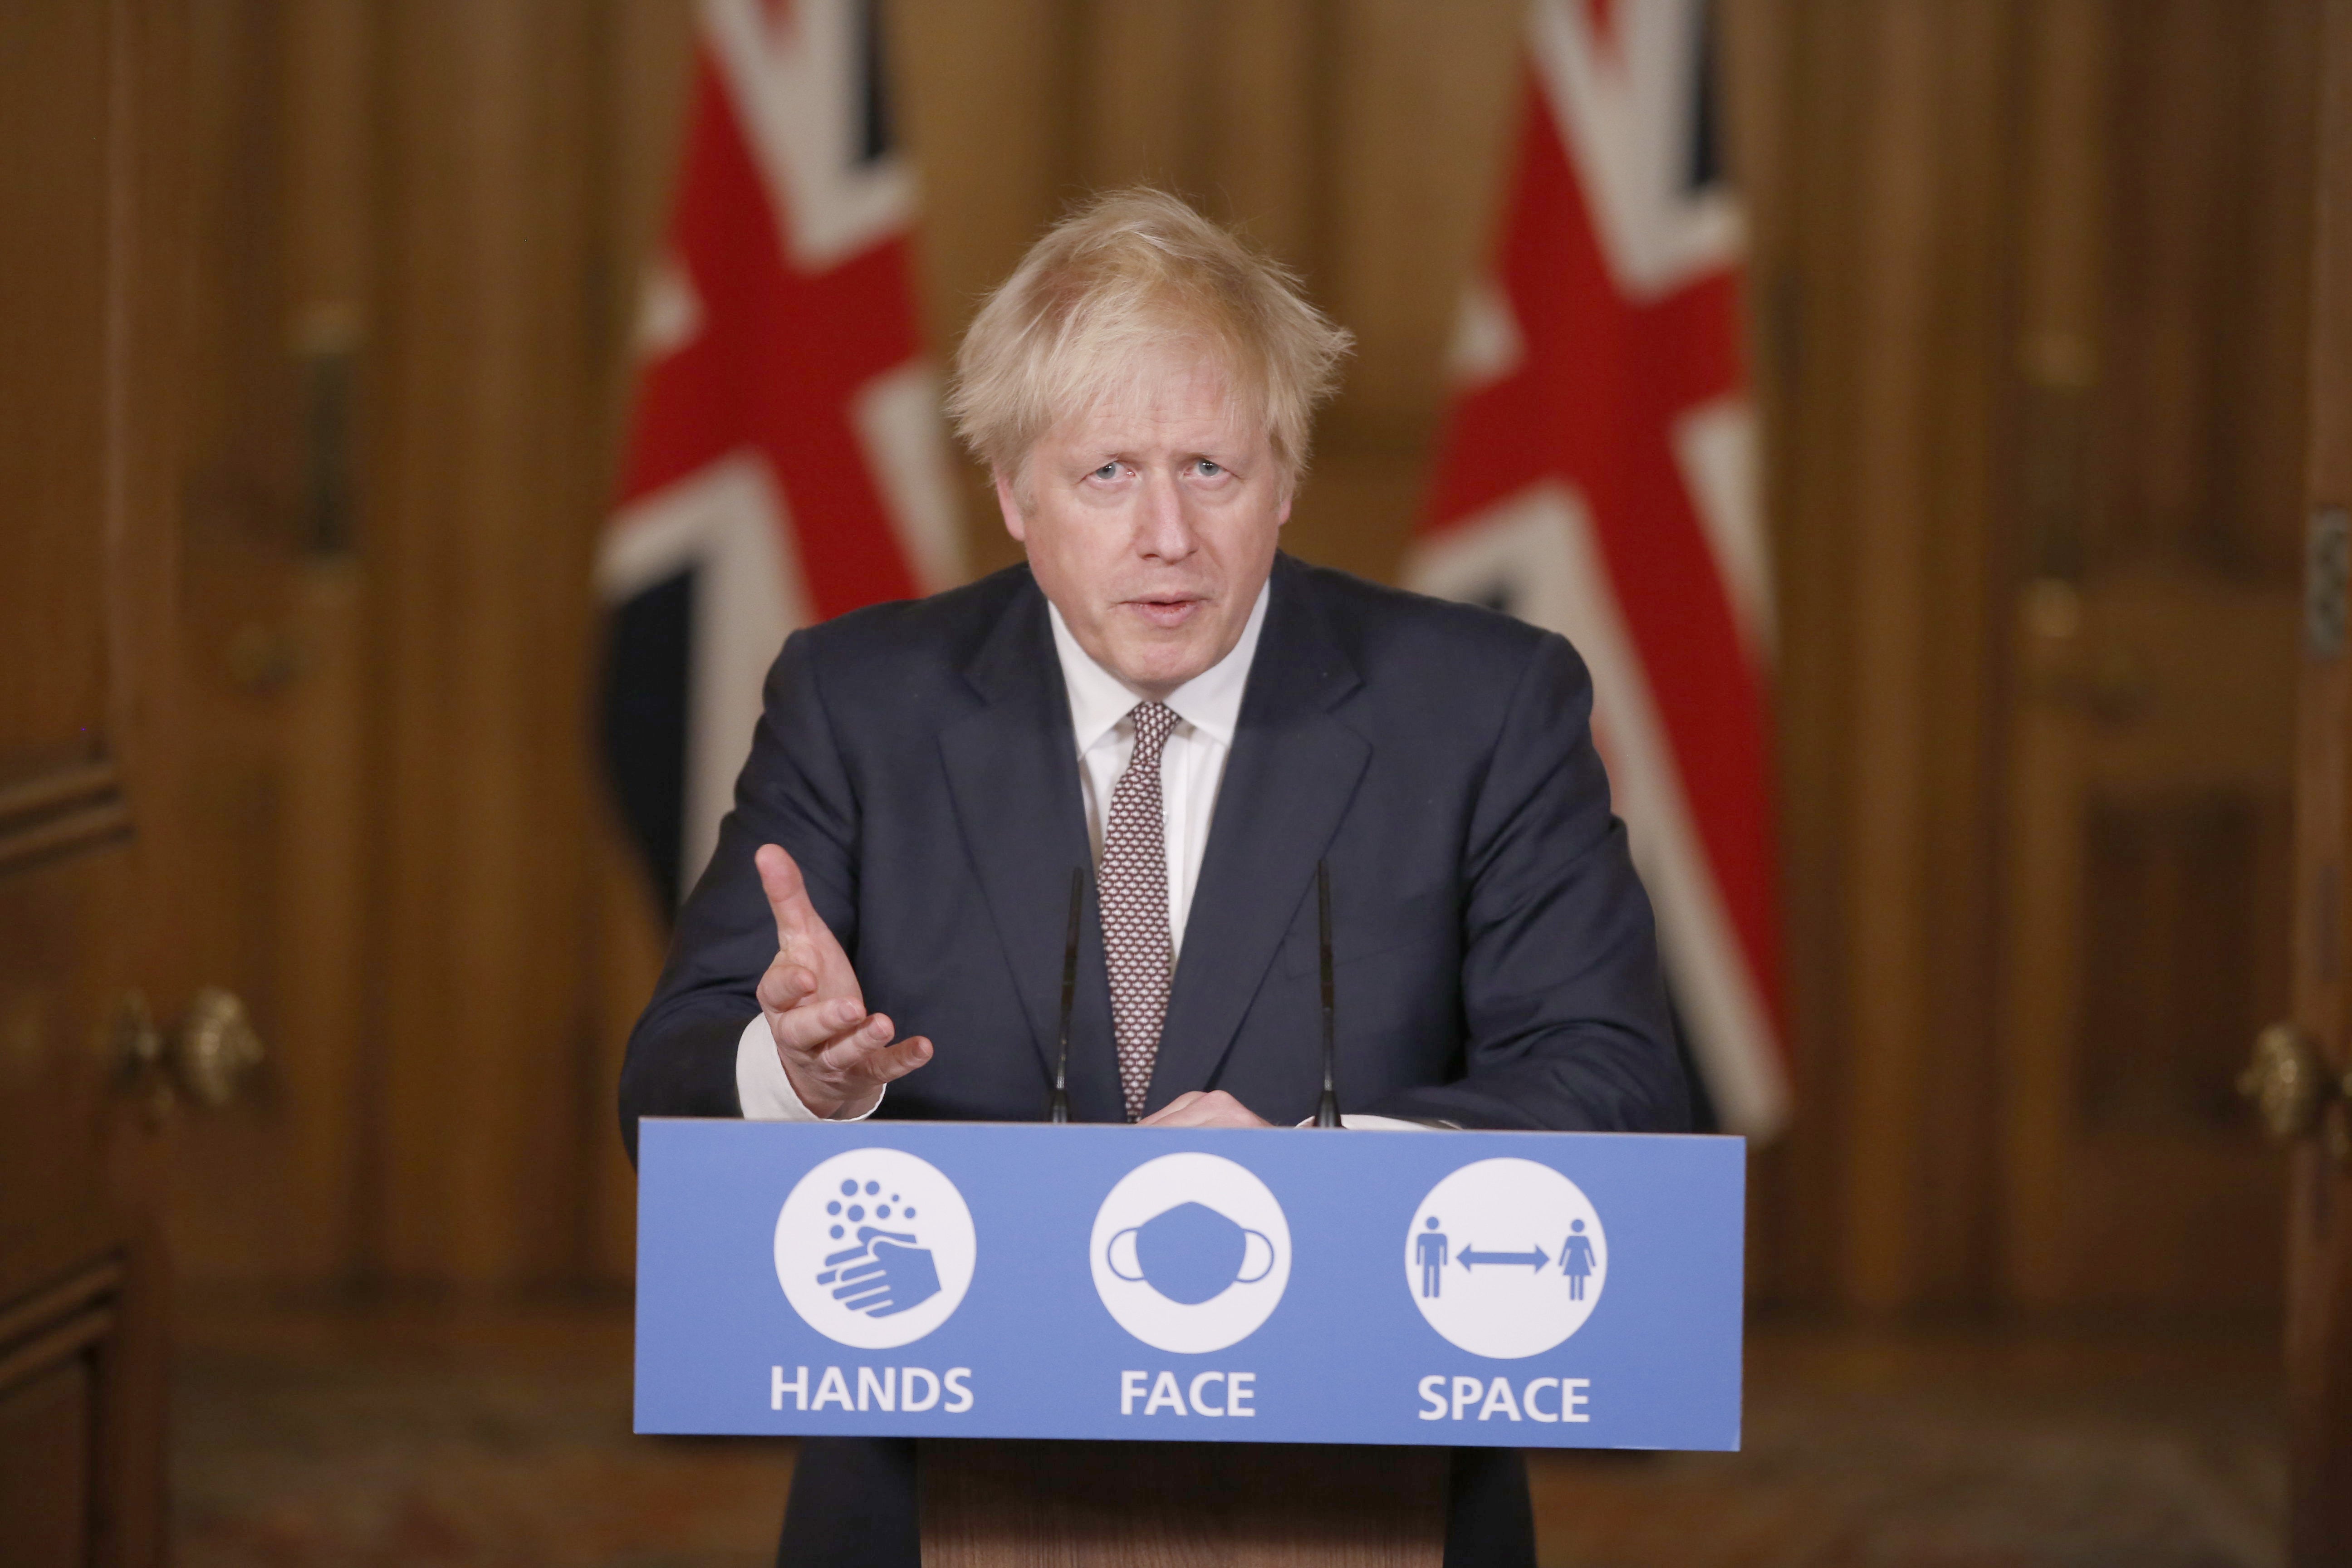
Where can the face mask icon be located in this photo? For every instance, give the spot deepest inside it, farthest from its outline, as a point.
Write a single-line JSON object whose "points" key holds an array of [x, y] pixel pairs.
{"points": [[1190, 1254]]}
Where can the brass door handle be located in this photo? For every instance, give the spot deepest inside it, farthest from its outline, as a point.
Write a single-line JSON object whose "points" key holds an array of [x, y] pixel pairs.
{"points": [[217, 1046], [208, 1059], [2291, 1086]]}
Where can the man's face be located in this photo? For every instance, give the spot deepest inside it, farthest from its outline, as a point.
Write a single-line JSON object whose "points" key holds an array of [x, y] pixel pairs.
{"points": [[1151, 522]]}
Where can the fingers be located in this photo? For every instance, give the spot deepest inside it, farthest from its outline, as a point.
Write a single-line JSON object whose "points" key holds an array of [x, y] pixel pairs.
{"points": [[784, 986], [788, 900], [856, 1037], [1214, 1108], [809, 1026], [866, 1058], [849, 1047], [803, 938], [1175, 1107]]}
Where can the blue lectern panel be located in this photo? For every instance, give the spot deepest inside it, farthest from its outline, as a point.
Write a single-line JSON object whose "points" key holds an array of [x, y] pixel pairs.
{"points": [[968, 1280]]}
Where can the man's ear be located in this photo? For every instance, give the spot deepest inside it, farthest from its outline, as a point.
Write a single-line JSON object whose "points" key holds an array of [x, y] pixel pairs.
{"points": [[1010, 505]]}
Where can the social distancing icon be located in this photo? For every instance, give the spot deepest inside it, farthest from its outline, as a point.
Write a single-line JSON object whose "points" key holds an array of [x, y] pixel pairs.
{"points": [[1505, 1257]]}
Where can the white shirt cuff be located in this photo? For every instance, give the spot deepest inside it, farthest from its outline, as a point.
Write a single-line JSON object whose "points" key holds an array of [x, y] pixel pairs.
{"points": [[761, 1086]]}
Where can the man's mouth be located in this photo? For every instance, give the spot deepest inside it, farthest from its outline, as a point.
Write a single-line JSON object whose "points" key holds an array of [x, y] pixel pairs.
{"points": [[1167, 612]]}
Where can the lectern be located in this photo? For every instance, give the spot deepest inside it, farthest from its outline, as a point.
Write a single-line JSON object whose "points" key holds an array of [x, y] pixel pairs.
{"points": [[1156, 1505], [1212, 1345]]}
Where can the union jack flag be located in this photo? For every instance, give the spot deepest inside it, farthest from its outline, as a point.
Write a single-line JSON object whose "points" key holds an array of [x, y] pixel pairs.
{"points": [[1597, 476], [785, 459]]}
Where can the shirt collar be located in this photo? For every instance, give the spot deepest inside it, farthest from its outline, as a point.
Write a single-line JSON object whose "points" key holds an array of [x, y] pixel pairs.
{"points": [[1210, 701]]}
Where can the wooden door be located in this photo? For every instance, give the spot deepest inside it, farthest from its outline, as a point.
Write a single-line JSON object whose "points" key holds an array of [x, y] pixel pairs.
{"points": [[2161, 266], [267, 814], [2318, 1045], [89, 294]]}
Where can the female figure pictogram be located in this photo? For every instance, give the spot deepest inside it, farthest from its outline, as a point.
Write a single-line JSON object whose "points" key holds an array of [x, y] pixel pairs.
{"points": [[1576, 1260]]}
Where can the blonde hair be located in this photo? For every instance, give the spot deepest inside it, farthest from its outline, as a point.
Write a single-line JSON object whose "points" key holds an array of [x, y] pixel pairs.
{"points": [[1124, 273]]}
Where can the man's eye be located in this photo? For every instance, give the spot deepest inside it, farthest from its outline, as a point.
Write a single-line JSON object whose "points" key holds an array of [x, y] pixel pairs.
{"points": [[1210, 470], [1107, 472]]}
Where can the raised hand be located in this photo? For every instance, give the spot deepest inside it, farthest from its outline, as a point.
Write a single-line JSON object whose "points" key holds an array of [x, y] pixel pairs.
{"points": [[836, 1054]]}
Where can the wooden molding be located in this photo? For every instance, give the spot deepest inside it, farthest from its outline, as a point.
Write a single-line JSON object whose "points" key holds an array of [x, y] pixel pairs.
{"points": [[45, 1307], [65, 809]]}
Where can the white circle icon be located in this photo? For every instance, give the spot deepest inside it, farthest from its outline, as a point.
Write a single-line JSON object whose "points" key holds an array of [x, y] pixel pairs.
{"points": [[1191, 1253], [1506, 1258], [874, 1248]]}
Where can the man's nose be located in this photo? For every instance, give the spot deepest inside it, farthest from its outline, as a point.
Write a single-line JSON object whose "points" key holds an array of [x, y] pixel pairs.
{"points": [[1162, 529]]}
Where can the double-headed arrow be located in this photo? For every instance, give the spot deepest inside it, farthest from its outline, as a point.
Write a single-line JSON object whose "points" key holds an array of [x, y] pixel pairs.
{"points": [[1470, 1257]]}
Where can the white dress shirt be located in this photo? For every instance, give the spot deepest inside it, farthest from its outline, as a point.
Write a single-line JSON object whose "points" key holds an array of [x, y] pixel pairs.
{"points": [[1191, 767], [1192, 763]]}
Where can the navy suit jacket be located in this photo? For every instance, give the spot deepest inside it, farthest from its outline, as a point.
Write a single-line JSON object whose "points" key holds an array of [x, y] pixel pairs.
{"points": [[1496, 962]]}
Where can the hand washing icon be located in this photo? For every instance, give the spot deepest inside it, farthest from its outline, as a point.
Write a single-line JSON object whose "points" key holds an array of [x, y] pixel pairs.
{"points": [[874, 1248], [886, 1271], [1191, 1253]]}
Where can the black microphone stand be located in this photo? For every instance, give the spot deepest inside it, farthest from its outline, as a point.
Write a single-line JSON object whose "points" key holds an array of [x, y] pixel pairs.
{"points": [[1327, 1108], [1057, 1105]]}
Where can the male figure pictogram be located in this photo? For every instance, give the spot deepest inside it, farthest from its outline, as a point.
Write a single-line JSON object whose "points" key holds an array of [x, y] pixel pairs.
{"points": [[1429, 1251]]}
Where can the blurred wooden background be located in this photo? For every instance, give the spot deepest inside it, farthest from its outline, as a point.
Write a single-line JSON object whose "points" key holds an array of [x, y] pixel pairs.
{"points": [[2028, 287]]}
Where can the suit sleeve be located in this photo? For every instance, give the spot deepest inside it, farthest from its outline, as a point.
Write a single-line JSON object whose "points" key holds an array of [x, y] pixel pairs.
{"points": [[795, 790], [1564, 1007]]}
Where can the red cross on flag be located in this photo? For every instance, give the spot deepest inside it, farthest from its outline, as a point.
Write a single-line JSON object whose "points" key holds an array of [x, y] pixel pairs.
{"points": [[1597, 476], [786, 460]]}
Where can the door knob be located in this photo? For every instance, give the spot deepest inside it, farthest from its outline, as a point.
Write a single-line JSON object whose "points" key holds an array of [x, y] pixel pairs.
{"points": [[217, 1046], [207, 1059], [2290, 1084]]}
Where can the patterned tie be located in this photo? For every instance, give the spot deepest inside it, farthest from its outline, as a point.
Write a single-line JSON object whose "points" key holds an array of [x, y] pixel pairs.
{"points": [[1135, 905]]}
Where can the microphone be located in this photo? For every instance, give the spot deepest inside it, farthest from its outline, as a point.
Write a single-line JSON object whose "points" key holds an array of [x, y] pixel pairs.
{"points": [[1057, 1105], [1327, 1108]]}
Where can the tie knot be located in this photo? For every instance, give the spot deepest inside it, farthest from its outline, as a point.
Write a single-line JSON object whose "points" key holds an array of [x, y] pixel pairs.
{"points": [[1153, 721]]}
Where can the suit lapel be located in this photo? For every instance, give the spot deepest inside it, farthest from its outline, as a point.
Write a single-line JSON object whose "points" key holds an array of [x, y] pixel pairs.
{"points": [[1293, 770], [1013, 773]]}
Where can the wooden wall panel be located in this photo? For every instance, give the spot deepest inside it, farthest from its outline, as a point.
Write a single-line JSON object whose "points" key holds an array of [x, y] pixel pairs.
{"points": [[53, 306], [987, 105], [2318, 1370], [2161, 253], [1146, 81], [1759, 46], [93, 227], [1424, 102], [639, 77], [2201, 289], [487, 404], [1267, 144], [1869, 147], [1922, 606], [1890, 429]]}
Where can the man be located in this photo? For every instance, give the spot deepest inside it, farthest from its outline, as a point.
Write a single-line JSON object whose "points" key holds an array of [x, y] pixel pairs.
{"points": [[1160, 696]]}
